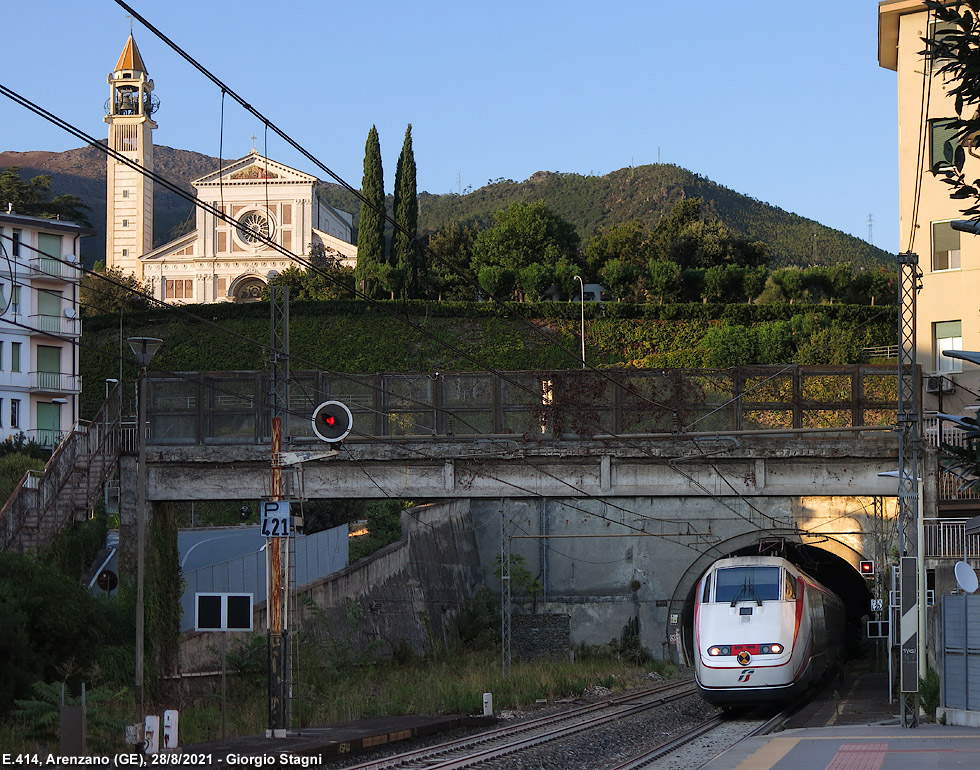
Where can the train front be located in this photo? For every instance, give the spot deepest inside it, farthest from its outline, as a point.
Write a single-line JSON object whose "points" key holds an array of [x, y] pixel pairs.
{"points": [[750, 630]]}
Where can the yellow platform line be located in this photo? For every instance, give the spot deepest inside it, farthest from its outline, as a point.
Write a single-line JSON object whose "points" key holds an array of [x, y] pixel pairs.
{"points": [[769, 754]]}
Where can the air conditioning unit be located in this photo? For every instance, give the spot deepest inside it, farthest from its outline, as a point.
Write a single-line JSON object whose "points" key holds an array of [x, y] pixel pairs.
{"points": [[938, 383]]}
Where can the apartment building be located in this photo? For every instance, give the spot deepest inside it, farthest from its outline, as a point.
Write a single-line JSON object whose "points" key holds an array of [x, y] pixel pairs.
{"points": [[39, 279], [948, 306]]}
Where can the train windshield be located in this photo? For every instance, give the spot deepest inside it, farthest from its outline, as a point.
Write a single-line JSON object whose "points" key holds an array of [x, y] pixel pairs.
{"points": [[747, 584]]}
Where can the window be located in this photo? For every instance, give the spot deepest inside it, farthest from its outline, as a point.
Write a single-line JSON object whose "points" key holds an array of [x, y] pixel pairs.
{"points": [[947, 335], [15, 299], [15, 244], [180, 288], [15, 413], [48, 310], [789, 592], [125, 193], [942, 144], [48, 367], [1, 355], [125, 223], [1, 412], [15, 357], [736, 584], [945, 247], [125, 252]]}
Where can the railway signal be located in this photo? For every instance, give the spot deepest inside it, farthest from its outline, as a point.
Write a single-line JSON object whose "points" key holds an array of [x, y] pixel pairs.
{"points": [[867, 568], [332, 421]]}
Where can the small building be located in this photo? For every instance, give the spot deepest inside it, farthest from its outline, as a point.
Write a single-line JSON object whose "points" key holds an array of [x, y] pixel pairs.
{"points": [[39, 278]]}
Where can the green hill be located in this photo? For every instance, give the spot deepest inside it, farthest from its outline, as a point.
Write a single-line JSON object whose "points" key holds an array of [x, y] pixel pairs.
{"points": [[589, 202]]}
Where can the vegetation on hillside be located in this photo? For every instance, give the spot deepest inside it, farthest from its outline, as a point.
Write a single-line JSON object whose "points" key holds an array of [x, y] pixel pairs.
{"points": [[33, 198]]}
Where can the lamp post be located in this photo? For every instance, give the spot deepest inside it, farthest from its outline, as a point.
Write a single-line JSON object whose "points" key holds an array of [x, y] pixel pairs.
{"points": [[144, 348], [110, 383], [582, 298]]}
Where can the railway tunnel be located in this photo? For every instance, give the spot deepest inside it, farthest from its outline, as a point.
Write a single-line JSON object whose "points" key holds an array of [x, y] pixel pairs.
{"points": [[833, 571]]}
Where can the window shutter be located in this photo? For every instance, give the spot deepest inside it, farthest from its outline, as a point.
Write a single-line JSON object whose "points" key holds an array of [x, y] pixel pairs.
{"points": [[943, 145]]}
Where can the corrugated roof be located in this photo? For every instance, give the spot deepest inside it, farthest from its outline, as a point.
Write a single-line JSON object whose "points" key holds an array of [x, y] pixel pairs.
{"points": [[130, 58]]}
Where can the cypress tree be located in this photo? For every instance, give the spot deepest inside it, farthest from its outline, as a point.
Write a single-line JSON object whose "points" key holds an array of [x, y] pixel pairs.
{"points": [[406, 256], [371, 230]]}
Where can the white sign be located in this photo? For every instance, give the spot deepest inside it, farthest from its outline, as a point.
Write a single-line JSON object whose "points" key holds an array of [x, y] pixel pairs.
{"points": [[877, 605], [274, 518]]}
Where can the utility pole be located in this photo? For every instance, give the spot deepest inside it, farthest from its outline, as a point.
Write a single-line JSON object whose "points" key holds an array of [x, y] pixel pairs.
{"points": [[279, 402]]}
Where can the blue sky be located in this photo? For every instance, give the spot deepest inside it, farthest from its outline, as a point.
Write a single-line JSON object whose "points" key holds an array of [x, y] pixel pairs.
{"points": [[780, 101]]}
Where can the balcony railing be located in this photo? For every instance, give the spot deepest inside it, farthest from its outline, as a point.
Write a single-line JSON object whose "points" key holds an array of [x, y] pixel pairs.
{"points": [[947, 539], [56, 382], [937, 432], [56, 324], [45, 267]]}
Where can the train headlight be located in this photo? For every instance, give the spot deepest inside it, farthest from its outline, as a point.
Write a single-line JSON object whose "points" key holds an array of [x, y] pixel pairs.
{"points": [[714, 650], [776, 648]]}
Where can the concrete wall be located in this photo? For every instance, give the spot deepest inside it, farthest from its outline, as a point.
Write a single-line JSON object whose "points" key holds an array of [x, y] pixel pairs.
{"points": [[609, 563]]}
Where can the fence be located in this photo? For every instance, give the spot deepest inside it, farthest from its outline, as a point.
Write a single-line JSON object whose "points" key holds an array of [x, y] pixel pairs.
{"points": [[947, 539], [232, 407]]}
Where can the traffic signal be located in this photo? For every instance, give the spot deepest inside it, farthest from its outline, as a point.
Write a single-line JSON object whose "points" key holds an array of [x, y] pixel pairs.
{"points": [[244, 512], [867, 568], [332, 421]]}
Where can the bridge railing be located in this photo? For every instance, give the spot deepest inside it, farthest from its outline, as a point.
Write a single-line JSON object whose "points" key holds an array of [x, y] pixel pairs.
{"points": [[232, 407]]}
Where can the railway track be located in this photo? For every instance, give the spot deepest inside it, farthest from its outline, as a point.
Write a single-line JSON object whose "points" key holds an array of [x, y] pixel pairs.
{"points": [[494, 744], [739, 729]]}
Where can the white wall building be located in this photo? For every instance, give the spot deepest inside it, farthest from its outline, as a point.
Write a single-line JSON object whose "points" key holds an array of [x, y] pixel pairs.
{"points": [[39, 377], [220, 260]]}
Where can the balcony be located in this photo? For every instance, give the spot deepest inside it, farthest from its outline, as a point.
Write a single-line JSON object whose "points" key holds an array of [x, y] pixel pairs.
{"points": [[947, 539], [60, 325], [56, 382], [45, 267]]}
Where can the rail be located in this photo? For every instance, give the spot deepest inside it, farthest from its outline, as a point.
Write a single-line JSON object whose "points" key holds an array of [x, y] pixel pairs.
{"points": [[947, 539]]}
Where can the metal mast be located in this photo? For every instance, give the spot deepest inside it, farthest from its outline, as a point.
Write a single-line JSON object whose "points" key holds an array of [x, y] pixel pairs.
{"points": [[908, 488]]}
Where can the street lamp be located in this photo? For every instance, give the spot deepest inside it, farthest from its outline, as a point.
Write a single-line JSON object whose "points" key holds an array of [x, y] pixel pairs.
{"points": [[144, 348], [110, 383], [582, 297]]}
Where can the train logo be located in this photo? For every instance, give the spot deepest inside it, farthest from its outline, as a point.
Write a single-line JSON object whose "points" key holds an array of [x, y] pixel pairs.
{"points": [[746, 674]]}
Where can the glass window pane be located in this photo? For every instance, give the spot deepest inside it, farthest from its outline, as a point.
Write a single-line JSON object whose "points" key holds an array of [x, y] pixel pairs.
{"points": [[747, 584]]}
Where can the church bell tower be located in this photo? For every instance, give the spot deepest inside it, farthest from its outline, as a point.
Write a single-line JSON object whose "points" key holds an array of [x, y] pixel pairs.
{"points": [[129, 194]]}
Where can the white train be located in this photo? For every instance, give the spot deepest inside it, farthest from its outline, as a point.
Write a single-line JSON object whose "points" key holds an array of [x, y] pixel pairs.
{"points": [[764, 631]]}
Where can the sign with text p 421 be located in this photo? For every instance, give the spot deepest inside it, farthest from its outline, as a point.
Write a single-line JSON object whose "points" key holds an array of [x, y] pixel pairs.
{"points": [[274, 518]]}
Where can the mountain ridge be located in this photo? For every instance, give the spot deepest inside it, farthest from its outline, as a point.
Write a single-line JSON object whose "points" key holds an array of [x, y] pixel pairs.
{"points": [[589, 202]]}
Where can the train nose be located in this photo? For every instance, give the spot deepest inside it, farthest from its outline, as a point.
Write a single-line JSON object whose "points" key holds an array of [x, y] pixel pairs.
{"points": [[744, 658]]}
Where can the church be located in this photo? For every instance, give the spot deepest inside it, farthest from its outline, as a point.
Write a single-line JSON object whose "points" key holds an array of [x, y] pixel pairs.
{"points": [[219, 261]]}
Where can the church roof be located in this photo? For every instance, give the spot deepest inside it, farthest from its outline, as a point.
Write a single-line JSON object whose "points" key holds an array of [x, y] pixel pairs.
{"points": [[254, 169], [130, 58]]}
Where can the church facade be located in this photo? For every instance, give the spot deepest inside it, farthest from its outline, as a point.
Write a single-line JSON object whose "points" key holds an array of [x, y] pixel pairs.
{"points": [[225, 258]]}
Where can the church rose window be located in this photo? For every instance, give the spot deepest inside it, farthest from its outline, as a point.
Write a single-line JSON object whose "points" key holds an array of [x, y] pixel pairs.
{"points": [[254, 227]]}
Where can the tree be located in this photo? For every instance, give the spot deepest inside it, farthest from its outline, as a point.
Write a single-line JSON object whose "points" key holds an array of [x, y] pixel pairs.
{"points": [[371, 230], [32, 198], [450, 249], [669, 229], [534, 280], [630, 242], [957, 50], [524, 233], [109, 290], [664, 279], [406, 254], [619, 276]]}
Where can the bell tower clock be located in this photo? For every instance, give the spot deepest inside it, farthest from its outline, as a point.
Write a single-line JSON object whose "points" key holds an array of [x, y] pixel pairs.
{"points": [[129, 194]]}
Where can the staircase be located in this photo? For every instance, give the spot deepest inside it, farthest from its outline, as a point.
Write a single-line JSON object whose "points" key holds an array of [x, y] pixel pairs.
{"points": [[68, 487]]}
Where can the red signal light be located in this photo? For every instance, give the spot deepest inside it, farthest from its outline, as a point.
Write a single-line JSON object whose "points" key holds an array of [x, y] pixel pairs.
{"points": [[332, 421], [867, 568]]}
